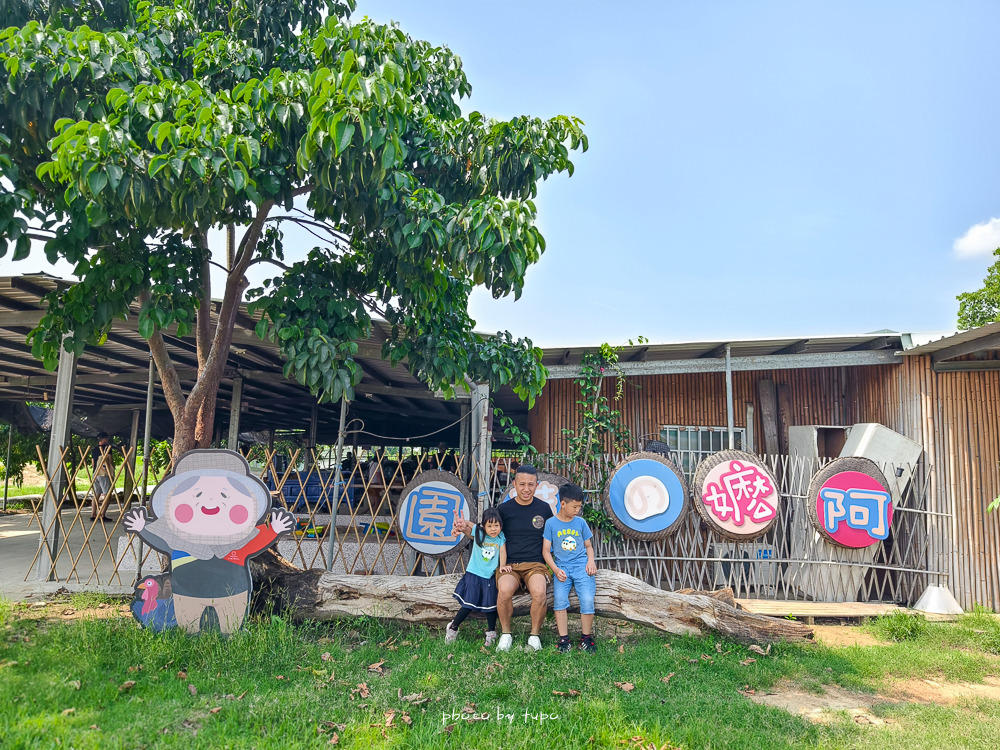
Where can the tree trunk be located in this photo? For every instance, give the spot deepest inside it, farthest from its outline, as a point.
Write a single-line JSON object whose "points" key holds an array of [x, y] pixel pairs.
{"points": [[316, 595]]}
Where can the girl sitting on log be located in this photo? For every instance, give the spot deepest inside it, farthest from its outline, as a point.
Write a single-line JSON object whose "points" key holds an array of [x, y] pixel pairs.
{"points": [[477, 589]]}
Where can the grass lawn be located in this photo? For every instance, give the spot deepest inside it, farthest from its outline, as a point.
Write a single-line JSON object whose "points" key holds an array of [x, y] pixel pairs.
{"points": [[102, 682]]}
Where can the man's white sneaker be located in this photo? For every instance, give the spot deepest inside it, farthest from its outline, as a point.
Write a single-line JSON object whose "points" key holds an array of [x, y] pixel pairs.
{"points": [[505, 640], [450, 634], [534, 643]]}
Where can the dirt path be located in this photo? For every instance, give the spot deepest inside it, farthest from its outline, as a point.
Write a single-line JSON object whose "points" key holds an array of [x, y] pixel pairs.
{"points": [[840, 636], [818, 707]]}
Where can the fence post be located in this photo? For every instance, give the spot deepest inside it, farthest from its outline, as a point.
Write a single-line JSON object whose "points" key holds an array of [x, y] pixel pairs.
{"points": [[58, 438]]}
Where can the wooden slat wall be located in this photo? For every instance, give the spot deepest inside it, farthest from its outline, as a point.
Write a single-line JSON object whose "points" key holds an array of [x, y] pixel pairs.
{"points": [[954, 415]]}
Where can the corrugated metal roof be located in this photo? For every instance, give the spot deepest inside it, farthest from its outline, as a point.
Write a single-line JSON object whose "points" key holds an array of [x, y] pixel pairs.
{"points": [[965, 337], [881, 340]]}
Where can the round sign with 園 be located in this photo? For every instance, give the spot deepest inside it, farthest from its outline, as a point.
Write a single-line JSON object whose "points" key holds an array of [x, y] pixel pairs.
{"points": [[547, 490], [646, 496], [737, 495], [427, 509], [850, 503]]}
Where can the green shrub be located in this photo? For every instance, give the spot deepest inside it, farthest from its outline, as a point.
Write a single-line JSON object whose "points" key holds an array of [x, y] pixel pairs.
{"points": [[982, 627], [899, 626]]}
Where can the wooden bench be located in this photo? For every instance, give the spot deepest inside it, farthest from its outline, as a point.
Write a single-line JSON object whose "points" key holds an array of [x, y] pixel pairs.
{"points": [[809, 611]]}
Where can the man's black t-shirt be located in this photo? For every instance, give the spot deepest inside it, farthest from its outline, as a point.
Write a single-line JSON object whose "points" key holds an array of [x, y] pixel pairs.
{"points": [[524, 527]]}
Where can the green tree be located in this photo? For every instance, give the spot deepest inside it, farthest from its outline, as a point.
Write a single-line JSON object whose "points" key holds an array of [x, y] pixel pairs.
{"points": [[130, 128], [983, 305]]}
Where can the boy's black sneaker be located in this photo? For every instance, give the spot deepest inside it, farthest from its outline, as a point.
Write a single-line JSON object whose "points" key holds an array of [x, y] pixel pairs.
{"points": [[564, 646], [587, 644]]}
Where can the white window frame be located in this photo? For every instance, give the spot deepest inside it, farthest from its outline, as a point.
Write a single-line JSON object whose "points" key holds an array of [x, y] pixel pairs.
{"points": [[691, 444]]}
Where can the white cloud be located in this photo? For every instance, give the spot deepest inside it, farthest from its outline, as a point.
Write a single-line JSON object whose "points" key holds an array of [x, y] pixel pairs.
{"points": [[981, 239]]}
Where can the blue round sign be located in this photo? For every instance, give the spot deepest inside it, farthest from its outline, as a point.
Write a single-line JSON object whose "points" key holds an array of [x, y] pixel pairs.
{"points": [[428, 507], [646, 496]]}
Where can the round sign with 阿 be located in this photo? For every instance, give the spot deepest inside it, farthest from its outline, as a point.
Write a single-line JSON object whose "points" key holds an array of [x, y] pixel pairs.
{"points": [[547, 490], [850, 504], [736, 494], [427, 509], [646, 496]]}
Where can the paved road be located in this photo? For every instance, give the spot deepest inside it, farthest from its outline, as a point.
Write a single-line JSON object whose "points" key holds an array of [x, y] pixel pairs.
{"points": [[19, 545]]}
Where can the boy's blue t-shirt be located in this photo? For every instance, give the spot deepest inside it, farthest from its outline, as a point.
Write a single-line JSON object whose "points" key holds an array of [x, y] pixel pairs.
{"points": [[485, 559], [567, 540]]}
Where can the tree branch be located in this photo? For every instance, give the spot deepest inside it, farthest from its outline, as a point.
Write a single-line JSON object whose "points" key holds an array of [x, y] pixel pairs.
{"points": [[277, 263], [208, 378], [169, 379], [203, 322], [306, 223]]}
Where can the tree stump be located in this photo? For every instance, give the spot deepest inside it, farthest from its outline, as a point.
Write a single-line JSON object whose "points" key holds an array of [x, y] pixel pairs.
{"points": [[317, 595]]}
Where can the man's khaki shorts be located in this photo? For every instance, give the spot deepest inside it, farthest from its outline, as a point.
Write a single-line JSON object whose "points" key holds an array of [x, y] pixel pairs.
{"points": [[523, 571]]}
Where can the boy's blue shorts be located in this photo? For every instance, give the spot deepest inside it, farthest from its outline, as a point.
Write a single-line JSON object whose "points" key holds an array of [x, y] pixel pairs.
{"points": [[586, 589]]}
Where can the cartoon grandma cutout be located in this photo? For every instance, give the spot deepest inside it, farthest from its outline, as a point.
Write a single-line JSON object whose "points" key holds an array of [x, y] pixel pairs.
{"points": [[210, 517]]}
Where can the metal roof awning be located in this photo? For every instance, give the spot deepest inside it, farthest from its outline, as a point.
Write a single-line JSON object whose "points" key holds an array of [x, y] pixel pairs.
{"points": [[879, 348], [112, 378], [979, 343]]}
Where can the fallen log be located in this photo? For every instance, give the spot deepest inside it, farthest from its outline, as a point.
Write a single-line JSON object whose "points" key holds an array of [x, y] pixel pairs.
{"points": [[317, 595]]}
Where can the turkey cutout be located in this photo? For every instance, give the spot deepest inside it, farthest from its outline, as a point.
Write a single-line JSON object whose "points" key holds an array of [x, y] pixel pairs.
{"points": [[210, 516]]}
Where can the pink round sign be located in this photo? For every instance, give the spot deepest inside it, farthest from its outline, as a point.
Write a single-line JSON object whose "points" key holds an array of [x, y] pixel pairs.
{"points": [[740, 498], [854, 509]]}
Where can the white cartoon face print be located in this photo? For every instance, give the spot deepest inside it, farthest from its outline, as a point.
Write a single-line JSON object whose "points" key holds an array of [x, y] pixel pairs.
{"points": [[489, 553], [646, 496], [212, 507], [568, 543]]}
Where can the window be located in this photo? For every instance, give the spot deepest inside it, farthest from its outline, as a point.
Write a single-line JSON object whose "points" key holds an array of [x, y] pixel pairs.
{"points": [[691, 444]]}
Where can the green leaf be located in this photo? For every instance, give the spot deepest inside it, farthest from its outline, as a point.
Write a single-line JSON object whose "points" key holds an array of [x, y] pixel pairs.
{"points": [[22, 247], [343, 136], [388, 156], [96, 180]]}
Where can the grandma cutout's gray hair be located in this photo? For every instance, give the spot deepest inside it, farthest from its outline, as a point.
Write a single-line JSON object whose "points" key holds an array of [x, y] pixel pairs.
{"points": [[189, 469]]}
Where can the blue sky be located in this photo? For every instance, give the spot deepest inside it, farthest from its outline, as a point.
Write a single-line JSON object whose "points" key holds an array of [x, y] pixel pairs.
{"points": [[756, 169]]}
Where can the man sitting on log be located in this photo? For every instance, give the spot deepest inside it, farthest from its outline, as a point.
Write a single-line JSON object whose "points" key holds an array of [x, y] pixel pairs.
{"points": [[524, 527]]}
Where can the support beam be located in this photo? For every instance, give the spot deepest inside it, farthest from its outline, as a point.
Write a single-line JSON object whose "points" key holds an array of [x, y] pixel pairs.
{"points": [[233, 442], [741, 364], [716, 353], [364, 388], [463, 442], [133, 444], [966, 347], [639, 356], [58, 439], [797, 348], [313, 429], [982, 365], [729, 398], [481, 444], [882, 342]]}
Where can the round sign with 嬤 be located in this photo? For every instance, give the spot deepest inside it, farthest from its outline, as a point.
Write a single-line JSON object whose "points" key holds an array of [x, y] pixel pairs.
{"points": [[427, 509], [736, 494], [547, 490], [850, 503], [646, 497]]}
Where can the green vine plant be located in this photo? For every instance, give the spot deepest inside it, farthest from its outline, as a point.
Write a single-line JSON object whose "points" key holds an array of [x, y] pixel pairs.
{"points": [[23, 453], [521, 439], [600, 429]]}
